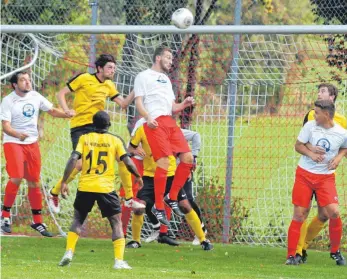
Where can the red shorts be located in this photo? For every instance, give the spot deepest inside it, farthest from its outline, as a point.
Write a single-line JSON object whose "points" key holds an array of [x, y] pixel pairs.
{"points": [[139, 165], [23, 161], [307, 182], [167, 139]]}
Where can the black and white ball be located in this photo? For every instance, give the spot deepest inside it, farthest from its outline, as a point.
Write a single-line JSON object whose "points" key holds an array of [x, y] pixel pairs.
{"points": [[182, 18]]}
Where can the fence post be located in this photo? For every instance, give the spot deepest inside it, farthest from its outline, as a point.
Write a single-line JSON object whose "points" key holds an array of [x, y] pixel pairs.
{"points": [[93, 40]]}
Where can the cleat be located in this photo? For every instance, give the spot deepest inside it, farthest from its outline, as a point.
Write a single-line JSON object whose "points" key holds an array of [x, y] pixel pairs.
{"points": [[165, 239], [291, 261], [120, 264], [133, 244], [298, 258], [153, 236], [206, 245], [42, 229], [340, 260], [53, 202], [67, 258], [134, 204], [171, 234], [6, 225], [304, 256], [161, 216], [174, 206]]}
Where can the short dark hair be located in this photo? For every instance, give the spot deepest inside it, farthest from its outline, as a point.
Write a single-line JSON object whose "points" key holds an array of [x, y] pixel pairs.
{"points": [[326, 105], [332, 89], [103, 59], [160, 50], [101, 120], [14, 77]]}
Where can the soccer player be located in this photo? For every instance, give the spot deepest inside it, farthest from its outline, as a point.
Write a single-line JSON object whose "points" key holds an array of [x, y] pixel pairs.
{"points": [[19, 115], [98, 151], [326, 91], [147, 193], [155, 101], [91, 92], [315, 173]]}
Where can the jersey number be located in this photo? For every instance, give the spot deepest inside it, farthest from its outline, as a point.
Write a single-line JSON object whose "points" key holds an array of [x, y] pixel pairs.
{"points": [[99, 162]]}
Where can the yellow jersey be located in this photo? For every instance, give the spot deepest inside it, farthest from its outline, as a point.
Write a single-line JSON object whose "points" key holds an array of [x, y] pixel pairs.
{"points": [[90, 97], [149, 164], [99, 152], [338, 118]]}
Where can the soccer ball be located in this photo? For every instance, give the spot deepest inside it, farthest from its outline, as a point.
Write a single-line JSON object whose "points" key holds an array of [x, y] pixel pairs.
{"points": [[182, 18]]}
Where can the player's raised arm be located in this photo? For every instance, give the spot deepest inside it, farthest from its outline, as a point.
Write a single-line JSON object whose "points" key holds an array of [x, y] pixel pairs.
{"points": [[132, 169], [187, 102], [124, 102], [58, 113], [62, 101], [70, 166]]}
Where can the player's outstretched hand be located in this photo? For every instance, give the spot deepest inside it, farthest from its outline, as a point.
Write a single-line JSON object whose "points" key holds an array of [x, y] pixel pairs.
{"points": [[22, 136], [317, 157], [64, 190], [189, 101], [70, 112]]}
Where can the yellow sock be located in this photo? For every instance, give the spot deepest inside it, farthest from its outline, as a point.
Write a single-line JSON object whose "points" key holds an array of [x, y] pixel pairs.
{"points": [[56, 189], [118, 247], [194, 221], [301, 242], [313, 230], [125, 177], [71, 241], [136, 226]]}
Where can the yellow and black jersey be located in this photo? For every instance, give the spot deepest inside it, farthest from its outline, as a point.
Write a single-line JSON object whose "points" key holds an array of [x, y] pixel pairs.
{"points": [[338, 118], [149, 164], [90, 97], [99, 152]]}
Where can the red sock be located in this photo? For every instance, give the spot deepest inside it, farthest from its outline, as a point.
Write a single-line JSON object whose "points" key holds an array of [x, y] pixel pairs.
{"points": [[126, 213], [35, 199], [181, 176], [11, 191], [163, 228], [293, 237], [335, 233], [160, 177]]}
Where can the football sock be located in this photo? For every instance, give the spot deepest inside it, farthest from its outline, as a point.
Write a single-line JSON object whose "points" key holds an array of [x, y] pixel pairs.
{"points": [[56, 189], [136, 226], [118, 248], [71, 241], [303, 232], [293, 237], [194, 221], [160, 178], [125, 177], [196, 209], [35, 200], [335, 233], [126, 213], [181, 175], [313, 230], [11, 191]]}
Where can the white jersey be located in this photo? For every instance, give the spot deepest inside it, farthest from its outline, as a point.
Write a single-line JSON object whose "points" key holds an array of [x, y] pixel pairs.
{"points": [[23, 113], [157, 93], [330, 139]]}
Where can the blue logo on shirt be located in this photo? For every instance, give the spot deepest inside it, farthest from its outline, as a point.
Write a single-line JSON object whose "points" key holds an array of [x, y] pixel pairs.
{"points": [[28, 110], [324, 143], [161, 79]]}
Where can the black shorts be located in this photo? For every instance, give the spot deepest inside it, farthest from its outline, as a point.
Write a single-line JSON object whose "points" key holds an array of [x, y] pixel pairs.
{"points": [[188, 188], [79, 131], [108, 203], [147, 191]]}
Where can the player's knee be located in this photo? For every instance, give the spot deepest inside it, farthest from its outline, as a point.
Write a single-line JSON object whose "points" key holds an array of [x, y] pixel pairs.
{"points": [[184, 206], [139, 211], [163, 163], [187, 158], [334, 214], [33, 184], [16, 181], [323, 217]]}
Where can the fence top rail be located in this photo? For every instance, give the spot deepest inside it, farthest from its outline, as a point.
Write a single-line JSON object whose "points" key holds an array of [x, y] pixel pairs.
{"points": [[167, 29]]}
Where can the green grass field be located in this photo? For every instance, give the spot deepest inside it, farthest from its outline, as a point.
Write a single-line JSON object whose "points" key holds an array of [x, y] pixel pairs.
{"points": [[29, 258]]}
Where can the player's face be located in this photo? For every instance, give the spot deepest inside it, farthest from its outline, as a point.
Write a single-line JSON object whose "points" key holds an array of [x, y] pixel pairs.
{"points": [[166, 61], [320, 115], [108, 70], [23, 84], [323, 94]]}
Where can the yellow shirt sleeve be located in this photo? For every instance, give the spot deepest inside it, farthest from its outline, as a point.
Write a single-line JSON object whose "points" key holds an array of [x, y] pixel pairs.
{"points": [[113, 92], [137, 138], [76, 82]]}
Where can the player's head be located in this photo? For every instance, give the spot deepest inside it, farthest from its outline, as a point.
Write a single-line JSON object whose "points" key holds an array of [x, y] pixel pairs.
{"points": [[101, 120], [327, 91], [106, 66], [324, 111], [21, 82], [162, 58]]}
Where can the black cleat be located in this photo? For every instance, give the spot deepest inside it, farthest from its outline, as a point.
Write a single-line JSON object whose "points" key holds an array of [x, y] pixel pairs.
{"points": [[304, 256], [340, 260], [164, 239], [174, 206], [291, 261], [6, 225], [161, 216], [42, 229], [133, 244], [298, 258], [206, 245]]}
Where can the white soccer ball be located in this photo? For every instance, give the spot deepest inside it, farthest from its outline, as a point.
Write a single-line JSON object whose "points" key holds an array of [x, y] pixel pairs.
{"points": [[182, 18]]}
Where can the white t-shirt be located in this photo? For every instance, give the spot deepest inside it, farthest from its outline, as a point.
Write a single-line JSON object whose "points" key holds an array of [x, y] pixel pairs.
{"points": [[23, 113], [330, 139], [157, 93]]}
